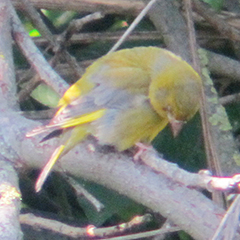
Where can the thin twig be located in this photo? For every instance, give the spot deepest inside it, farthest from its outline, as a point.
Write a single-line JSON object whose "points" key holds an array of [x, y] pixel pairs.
{"points": [[201, 180], [132, 26], [91, 37], [211, 152], [212, 156], [35, 57], [147, 234], [76, 25], [77, 232], [32, 13], [227, 229], [221, 25], [80, 191], [234, 98], [62, 40]]}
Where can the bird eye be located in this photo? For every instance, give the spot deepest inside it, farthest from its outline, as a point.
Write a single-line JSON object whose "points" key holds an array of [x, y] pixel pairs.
{"points": [[167, 109]]}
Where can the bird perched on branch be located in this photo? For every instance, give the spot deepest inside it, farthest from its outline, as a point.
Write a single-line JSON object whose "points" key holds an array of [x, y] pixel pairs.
{"points": [[124, 98]]}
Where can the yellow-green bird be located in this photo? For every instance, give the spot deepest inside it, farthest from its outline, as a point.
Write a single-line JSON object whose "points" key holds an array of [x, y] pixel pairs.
{"points": [[124, 98]]}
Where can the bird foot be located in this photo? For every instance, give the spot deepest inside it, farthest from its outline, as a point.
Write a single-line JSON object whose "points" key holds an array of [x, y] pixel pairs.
{"points": [[141, 148]]}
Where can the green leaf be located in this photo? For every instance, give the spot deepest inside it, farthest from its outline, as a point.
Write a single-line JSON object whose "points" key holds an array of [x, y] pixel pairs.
{"points": [[45, 95], [116, 206], [215, 4], [34, 33]]}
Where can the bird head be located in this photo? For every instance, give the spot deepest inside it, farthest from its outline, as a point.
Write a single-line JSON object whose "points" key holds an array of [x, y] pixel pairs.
{"points": [[175, 93]]}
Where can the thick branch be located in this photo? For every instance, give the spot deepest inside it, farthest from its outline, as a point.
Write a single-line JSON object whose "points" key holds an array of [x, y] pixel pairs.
{"points": [[117, 171], [109, 6], [9, 193], [9, 202], [223, 66], [173, 29], [7, 79]]}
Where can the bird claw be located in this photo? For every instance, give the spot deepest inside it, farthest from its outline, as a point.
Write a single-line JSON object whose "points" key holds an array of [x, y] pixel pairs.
{"points": [[141, 149]]}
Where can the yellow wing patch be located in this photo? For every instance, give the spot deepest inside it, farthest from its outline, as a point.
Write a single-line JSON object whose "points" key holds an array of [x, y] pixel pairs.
{"points": [[85, 118]]}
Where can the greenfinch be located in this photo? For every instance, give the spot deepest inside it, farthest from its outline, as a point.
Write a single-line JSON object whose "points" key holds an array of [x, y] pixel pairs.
{"points": [[124, 98]]}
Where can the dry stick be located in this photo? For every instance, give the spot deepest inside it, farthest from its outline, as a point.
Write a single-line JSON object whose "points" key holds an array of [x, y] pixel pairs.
{"points": [[132, 7], [192, 35], [201, 180], [132, 26], [58, 46], [230, 223], [220, 126], [81, 191], [9, 191], [76, 25], [88, 38], [212, 156], [62, 40], [35, 57], [221, 25], [147, 234], [234, 98], [41, 26], [86, 232], [37, 20], [225, 229], [223, 66], [34, 16], [218, 64], [209, 145], [7, 80], [82, 38], [24, 93]]}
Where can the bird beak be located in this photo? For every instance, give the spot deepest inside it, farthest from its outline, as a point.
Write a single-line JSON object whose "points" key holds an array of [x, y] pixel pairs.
{"points": [[176, 126]]}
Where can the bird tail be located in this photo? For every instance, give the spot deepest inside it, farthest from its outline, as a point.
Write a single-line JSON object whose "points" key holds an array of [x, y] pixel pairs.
{"points": [[77, 127], [47, 168], [70, 139]]}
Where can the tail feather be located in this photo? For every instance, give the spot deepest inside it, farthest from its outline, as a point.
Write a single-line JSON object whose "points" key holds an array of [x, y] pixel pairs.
{"points": [[47, 168], [53, 134], [69, 140], [36, 131]]}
